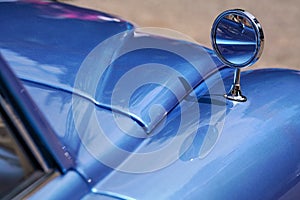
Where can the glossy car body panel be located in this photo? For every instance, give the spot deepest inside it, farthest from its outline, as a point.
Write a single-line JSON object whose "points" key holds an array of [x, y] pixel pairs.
{"points": [[49, 67], [28, 112], [47, 56], [250, 149], [49, 43]]}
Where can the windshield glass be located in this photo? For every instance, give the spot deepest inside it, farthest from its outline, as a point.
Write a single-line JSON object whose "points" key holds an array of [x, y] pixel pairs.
{"points": [[15, 167]]}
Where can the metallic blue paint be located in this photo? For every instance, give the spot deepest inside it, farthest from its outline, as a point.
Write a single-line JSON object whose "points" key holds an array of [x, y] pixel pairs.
{"points": [[255, 156], [50, 51], [48, 68], [27, 111]]}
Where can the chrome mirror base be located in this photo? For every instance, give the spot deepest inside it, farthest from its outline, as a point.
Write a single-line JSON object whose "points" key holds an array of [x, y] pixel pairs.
{"points": [[235, 94]]}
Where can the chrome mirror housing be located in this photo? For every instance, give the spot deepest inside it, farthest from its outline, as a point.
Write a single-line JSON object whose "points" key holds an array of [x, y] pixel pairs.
{"points": [[238, 40]]}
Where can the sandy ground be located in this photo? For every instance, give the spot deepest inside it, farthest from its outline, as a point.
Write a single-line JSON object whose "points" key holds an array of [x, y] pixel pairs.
{"points": [[280, 21]]}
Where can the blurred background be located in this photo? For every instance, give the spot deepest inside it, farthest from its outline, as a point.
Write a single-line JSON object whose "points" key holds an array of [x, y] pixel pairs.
{"points": [[279, 19]]}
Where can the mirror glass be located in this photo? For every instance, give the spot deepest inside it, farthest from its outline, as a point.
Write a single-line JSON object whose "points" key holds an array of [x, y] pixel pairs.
{"points": [[236, 39]]}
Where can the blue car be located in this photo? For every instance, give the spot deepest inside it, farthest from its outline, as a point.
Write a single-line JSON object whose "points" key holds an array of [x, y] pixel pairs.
{"points": [[93, 107]]}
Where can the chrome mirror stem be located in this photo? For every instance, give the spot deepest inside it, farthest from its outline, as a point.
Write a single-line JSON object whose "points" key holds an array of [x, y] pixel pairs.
{"points": [[235, 93]]}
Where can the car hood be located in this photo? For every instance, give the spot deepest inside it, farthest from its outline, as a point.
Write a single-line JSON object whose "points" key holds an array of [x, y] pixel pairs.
{"points": [[257, 144], [80, 85], [69, 53], [87, 53]]}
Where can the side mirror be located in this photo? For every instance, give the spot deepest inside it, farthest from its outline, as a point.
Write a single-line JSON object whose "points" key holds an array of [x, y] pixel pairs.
{"points": [[238, 40]]}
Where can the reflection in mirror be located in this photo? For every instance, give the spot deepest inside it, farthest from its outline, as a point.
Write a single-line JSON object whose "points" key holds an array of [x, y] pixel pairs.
{"points": [[235, 39]]}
